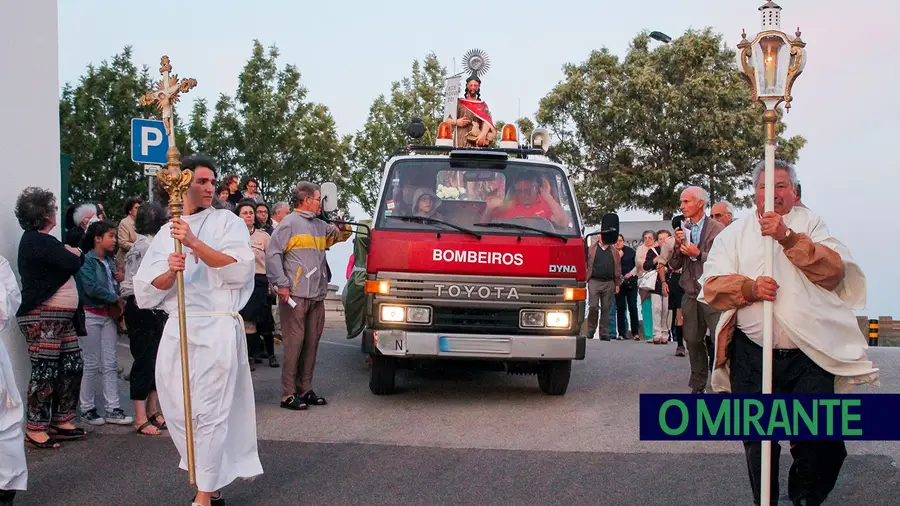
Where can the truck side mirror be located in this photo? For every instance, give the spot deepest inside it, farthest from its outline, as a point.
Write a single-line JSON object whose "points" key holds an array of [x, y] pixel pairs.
{"points": [[329, 197]]}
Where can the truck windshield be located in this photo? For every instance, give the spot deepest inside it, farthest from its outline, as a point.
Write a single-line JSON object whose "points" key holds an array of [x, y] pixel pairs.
{"points": [[529, 194]]}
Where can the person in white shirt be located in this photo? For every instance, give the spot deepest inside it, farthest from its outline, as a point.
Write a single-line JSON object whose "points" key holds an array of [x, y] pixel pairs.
{"points": [[818, 346], [13, 468]]}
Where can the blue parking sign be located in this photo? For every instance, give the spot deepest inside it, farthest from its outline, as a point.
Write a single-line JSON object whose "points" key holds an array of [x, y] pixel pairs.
{"points": [[149, 141]]}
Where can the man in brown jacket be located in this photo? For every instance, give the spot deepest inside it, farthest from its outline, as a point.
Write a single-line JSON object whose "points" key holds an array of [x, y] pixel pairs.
{"points": [[604, 275], [689, 255]]}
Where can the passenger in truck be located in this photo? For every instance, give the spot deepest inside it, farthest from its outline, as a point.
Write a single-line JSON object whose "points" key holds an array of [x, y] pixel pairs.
{"points": [[426, 203], [531, 197]]}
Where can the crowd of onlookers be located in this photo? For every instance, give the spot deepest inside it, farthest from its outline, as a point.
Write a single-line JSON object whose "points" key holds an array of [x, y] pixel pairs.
{"points": [[78, 297], [647, 304]]}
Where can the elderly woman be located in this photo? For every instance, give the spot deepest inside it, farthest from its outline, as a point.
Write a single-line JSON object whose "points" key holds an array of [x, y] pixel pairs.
{"points": [[257, 313], [659, 296], [46, 318], [84, 215], [649, 240], [145, 326]]}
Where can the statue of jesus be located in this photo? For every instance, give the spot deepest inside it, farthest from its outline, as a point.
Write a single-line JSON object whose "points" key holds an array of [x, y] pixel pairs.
{"points": [[475, 128]]}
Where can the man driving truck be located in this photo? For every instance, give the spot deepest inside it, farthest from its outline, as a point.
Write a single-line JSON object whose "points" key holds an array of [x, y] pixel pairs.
{"points": [[532, 197]]}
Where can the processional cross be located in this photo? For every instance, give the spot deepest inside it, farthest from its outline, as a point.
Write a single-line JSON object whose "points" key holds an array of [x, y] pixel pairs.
{"points": [[176, 181]]}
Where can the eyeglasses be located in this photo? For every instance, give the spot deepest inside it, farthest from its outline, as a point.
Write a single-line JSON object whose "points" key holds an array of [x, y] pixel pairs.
{"points": [[717, 216]]}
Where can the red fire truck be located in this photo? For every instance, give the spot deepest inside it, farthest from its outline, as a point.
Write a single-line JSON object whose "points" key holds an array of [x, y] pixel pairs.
{"points": [[475, 255]]}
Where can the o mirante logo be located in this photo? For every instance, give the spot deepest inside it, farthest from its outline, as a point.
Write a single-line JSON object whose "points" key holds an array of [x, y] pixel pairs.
{"points": [[775, 417]]}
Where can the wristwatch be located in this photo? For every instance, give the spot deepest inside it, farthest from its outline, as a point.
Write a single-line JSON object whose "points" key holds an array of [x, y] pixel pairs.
{"points": [[787, 234]]}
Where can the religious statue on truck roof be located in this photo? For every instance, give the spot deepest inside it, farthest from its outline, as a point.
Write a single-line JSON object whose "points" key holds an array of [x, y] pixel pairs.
{"points": [[474, 126]]}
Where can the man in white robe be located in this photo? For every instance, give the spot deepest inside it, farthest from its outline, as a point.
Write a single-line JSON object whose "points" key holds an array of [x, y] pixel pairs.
{"points": [[13, 469], [818, 347], [218, 266]]}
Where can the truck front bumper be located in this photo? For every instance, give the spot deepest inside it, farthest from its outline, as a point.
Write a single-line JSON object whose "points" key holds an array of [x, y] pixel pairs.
{"points": [[402, 343]]}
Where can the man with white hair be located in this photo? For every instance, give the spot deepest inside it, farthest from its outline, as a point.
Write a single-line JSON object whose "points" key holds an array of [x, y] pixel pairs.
{"points": [[723, 212], [84, 215], [818, 347], [692, 244], [279, 211]]}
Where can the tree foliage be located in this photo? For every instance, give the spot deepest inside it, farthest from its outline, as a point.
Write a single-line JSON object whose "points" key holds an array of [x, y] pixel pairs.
{"points": [[270, 131], [635, 131], [95, 129], [417, 95]]}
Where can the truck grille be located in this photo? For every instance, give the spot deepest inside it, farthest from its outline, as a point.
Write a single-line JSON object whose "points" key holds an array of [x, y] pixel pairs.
{"points": [[491, 321]]}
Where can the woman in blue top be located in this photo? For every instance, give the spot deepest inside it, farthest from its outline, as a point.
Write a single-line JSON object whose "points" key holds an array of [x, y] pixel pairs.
{"points": [[98, 289]]}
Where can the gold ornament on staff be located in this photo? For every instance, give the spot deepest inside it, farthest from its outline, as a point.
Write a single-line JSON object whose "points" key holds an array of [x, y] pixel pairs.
{"points": [[176, 181]]}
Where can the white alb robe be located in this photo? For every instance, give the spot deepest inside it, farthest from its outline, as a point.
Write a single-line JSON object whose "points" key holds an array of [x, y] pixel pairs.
{"points": [[13, 469], [820, 322], [222, 399]]}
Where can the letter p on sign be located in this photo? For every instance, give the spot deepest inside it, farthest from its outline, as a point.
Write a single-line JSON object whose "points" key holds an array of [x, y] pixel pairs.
{"points": [[149, 137], [149, 142]]}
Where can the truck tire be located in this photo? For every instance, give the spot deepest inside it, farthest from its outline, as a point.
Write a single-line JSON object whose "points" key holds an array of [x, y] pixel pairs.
{"points": [[383, 374], [553, 378]]}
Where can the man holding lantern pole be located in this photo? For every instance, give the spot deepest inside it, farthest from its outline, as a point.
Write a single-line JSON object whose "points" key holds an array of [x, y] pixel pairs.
{"points": [[818, 347]]}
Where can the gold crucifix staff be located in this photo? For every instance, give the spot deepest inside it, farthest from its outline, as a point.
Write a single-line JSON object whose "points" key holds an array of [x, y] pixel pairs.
{"points": [[176, 181]]}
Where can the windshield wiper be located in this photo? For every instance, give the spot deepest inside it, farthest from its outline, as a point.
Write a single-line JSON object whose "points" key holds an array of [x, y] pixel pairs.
{"points": [[425, 219], [523, 227]]}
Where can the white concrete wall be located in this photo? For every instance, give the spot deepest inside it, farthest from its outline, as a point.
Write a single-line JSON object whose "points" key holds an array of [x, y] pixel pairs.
{"points": [[29, 131]]}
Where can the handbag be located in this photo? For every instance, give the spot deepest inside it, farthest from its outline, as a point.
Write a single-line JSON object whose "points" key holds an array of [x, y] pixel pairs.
{"points": [[647, 280]]}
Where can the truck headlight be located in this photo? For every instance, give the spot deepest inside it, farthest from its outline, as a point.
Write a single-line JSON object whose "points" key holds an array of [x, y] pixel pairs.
{"points": [[393, 314], [418, 314], [537, 318], [531, 319], [558, 319]]}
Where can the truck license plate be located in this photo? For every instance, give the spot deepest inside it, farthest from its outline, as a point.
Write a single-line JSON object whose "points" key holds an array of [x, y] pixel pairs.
{"points": [[475, 345]]}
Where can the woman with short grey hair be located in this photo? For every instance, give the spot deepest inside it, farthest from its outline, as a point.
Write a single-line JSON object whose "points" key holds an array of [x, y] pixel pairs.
{"points": [[47, 319]]}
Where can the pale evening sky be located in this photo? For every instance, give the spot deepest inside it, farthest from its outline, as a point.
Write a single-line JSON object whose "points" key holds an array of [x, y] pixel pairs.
{"points": [[348, 52]]}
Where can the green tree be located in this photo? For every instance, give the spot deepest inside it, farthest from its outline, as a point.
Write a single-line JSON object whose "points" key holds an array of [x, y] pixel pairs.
{"points": [[270, 131], [636, 131], [95, 128], [418, 95]]}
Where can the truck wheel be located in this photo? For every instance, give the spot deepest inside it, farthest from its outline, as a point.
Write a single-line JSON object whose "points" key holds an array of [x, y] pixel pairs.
{"points": [[384, 370], [553, 378]]}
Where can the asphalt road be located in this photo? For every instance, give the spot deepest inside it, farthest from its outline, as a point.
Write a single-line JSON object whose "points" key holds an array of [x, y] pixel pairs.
{"points": [[453, 437]]}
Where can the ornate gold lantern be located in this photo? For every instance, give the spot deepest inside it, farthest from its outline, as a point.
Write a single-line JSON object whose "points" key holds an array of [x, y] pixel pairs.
{"points": [[773, 60]]}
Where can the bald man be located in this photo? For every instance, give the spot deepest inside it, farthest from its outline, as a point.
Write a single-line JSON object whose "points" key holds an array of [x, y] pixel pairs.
{"points": [[723, 212], [692, 243]]}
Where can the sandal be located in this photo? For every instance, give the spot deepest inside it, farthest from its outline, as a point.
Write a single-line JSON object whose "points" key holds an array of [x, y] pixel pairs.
{"points": [[64, 434], [50, 443], [213, 501], [294, 403], [148, 423], [152, 419], [314, 400]]}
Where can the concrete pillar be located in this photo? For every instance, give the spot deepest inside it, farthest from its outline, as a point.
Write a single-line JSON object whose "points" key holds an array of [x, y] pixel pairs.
{"points": [[29, 130]]}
